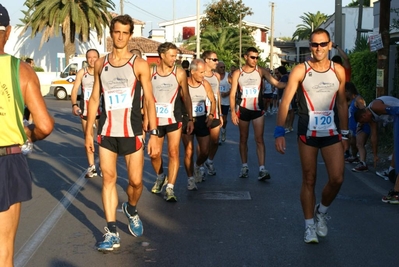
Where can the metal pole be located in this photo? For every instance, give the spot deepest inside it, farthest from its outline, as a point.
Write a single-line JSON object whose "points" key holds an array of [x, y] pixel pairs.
{"points": [[338, 23], [121, 4], [272, 38], [240, 51], [173, 39], [359, 21], [198, 28]]}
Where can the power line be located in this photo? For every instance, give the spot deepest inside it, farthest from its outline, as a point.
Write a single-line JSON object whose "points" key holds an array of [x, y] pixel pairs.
{"points": [[145, 11]]}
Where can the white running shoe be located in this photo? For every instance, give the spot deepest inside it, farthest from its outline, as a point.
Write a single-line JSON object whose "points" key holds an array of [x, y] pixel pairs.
{"points": [[321, 222], [310, 235], [191, 184]]}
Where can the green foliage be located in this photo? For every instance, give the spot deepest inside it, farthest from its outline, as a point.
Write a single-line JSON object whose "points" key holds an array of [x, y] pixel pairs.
{"points": [[70, 18], [38, 69], [225, 13], [224, 42], [361, 44], [364, 66], [310, 22], [355, 3]]}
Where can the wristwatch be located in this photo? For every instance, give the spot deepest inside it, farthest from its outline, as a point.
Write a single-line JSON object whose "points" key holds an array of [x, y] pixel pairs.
{"points": [[154, 132]]}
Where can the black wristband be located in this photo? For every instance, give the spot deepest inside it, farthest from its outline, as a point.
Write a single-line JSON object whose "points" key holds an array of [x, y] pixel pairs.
{"points": [[75, 105]]}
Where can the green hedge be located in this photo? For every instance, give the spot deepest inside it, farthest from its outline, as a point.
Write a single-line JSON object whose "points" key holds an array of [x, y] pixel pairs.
{"points": [[364, 69]]}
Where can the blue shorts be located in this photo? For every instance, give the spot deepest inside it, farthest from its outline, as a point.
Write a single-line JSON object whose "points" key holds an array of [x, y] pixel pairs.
{"points": [[15, 180]]}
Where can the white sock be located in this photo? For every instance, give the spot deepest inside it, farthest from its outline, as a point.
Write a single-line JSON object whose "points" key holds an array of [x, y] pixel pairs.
{"points": [[210, 161], [170, 186], [322, 208], [309, 222], [261, 168], [245, 165]]}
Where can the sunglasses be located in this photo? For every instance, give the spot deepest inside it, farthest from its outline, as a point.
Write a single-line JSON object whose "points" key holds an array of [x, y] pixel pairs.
{"points": [[214, 59], [222, 67], [323, 44], [253, 57]]}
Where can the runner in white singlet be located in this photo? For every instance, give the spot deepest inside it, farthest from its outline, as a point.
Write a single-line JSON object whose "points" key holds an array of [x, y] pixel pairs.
{"points": [[85, 80], [320, 86], [120, 130]]}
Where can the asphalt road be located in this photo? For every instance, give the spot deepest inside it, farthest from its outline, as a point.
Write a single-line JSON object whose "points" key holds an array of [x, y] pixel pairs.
{"points": [[227, 222]]}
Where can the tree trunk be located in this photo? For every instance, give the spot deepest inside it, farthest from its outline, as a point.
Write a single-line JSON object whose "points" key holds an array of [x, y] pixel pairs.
{"points": [[69, 42]]}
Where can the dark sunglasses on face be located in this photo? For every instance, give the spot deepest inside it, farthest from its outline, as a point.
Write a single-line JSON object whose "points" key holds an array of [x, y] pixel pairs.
{"points": [[323, 44], [222, 67], [253, 57], [214, 59]]}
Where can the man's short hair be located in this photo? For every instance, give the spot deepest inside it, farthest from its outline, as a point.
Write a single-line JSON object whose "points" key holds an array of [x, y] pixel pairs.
{"points": [[351, 88], [28, 60], [359, 113], [337, 59], [123, 19], [194, 64], [185, 64], [206, 54], [251, 49], [319, 31], [282, 70], [163, 48]]}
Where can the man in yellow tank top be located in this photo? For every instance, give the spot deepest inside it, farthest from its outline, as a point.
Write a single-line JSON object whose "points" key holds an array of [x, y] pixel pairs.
{"points": [[19, 86]]}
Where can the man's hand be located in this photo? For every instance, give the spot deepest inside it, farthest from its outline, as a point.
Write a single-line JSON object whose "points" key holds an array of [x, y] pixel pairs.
{"points": [[280, 144], [153, 148]]}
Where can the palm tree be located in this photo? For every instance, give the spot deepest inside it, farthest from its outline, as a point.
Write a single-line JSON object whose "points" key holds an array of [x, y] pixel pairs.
{"points": [[72, 18], [310, 22], [224, 42]]}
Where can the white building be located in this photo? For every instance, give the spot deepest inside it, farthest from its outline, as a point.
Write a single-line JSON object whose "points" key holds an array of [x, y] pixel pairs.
{"points": [[181, 29]]}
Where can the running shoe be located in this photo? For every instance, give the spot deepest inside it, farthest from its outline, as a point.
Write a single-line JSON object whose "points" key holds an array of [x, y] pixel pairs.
{"points": [[210, 167], [360, 167], [352, 160], [191, 184], [202, 172], [197, 174], [135, 225], [321, 222], [159, 184], [310, 235], [244, 172], [111, 241], [383, 174], [392, 197], [170, 195], [223, 134], [263, 175], [392, 176], [91, 171]]}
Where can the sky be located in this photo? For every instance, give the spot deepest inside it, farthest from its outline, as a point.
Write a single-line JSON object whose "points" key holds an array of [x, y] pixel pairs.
{"points": [[286, 12]]}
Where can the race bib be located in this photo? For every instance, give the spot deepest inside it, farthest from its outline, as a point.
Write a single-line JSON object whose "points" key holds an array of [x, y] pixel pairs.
{"points": [[250, 92], [164, 110], [198, 109], [87, 94], [119, 98], [321, 120]]}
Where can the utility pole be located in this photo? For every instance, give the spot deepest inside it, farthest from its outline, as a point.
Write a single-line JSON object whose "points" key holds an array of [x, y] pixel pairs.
{"points": [[240, 50], [338, 23], [271, 55], [198, 30], [121, 5], [383, 53], [359, 21]]}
